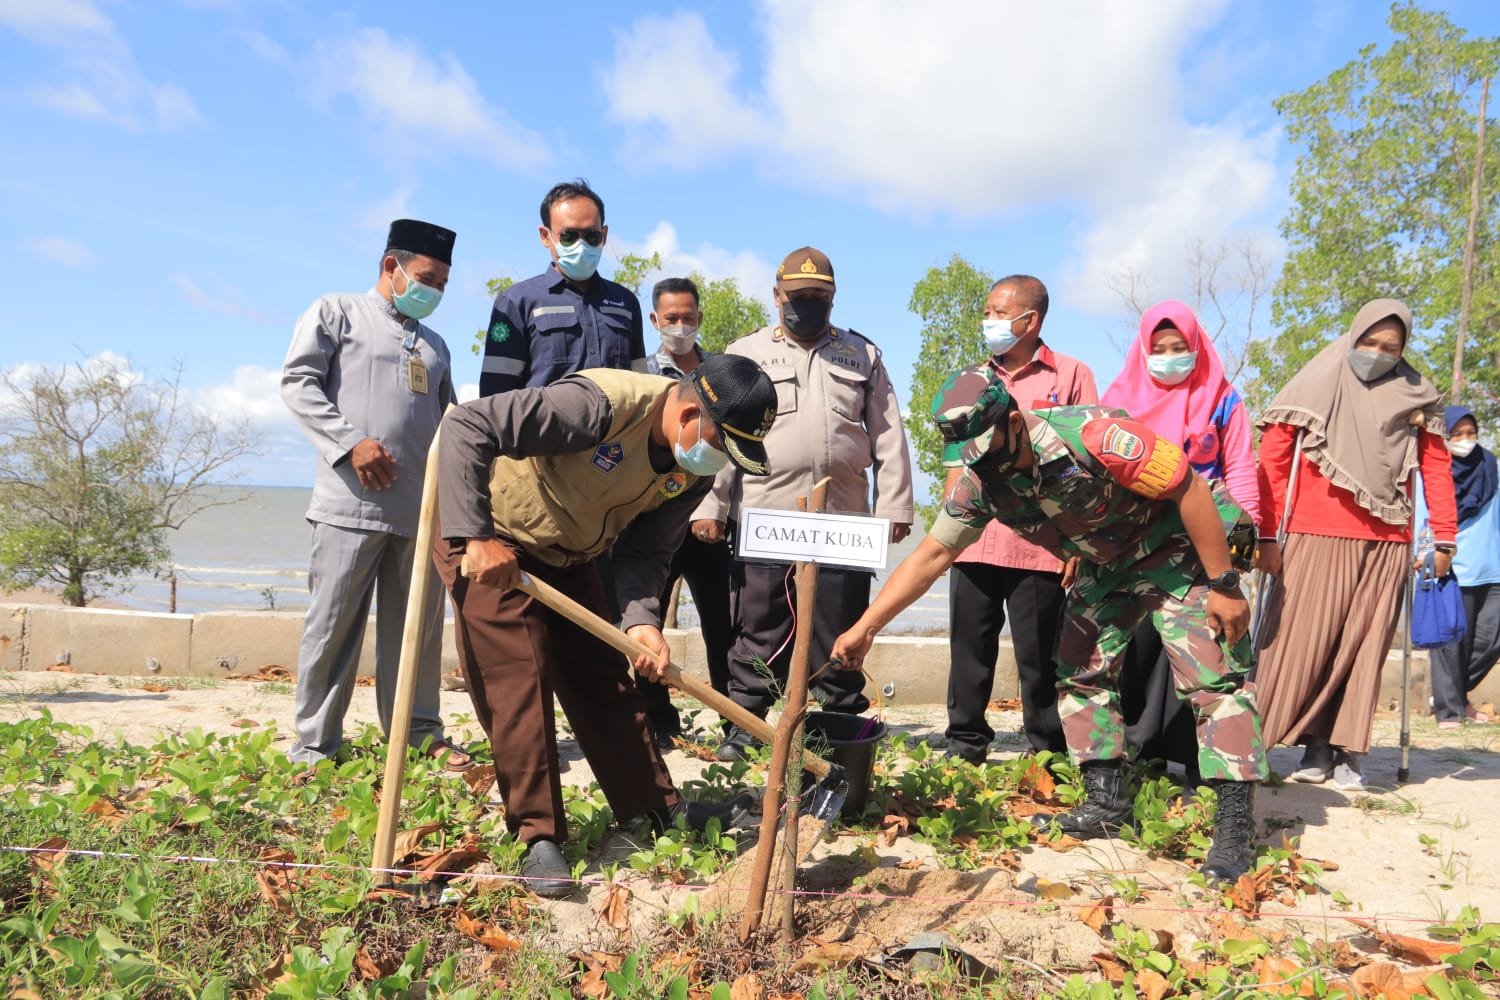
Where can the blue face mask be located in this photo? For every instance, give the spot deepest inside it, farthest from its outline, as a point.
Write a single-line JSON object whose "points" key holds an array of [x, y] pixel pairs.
{"points": [[578, 261], [1171, 369], [701, 459], [418, 301], [998, 336]]}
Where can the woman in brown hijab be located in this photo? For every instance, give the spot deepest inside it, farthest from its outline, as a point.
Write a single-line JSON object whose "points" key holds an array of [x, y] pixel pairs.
{"points": [[1360, 420]]}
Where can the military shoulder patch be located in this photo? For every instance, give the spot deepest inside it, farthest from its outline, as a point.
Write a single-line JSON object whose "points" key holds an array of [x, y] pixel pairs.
{"points": [[500, 331], [607, 456], [1135, 456], [673, 485]]}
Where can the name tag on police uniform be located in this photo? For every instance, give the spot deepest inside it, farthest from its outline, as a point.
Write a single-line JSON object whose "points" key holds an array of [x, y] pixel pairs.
{"points": [[416, 375]]}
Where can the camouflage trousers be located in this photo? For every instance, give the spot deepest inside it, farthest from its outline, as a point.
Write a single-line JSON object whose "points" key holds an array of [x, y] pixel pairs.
{"points": [[1208, 675]]}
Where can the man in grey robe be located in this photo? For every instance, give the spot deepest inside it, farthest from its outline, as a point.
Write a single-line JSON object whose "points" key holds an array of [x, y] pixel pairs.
{"points": [[369, 383]]}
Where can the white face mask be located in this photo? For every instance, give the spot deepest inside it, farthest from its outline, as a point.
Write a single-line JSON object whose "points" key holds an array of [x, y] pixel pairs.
{"points": [[1464, 448], [679, 338]]}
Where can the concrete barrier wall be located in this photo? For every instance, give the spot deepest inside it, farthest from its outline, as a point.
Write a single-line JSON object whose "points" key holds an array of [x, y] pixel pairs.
{"points": [[33, 637]]}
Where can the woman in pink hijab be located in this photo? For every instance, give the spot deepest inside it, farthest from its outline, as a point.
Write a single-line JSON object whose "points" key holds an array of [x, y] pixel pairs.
{"points": [[1173, 382]]}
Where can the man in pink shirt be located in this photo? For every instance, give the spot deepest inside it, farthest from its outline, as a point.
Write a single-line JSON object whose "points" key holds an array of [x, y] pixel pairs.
{"points": [[1000, 572]]}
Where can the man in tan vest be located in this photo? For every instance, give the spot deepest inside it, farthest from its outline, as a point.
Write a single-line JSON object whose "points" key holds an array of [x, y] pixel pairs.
{"points": [[543, 481]]}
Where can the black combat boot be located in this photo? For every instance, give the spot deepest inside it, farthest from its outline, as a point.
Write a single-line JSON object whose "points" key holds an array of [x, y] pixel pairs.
{"points": [[1105, 807], [1233, 849]]}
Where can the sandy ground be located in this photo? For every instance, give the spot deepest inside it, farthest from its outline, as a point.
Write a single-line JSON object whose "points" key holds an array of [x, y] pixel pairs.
{"points": [[1409, 854]]}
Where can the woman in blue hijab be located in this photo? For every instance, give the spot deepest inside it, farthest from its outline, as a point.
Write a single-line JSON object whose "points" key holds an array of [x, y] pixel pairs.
{"points": [[1459, 667]]}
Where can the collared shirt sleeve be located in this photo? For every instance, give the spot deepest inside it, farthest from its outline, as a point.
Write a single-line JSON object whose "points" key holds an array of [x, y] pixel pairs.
{"points": [[964, 514], [507, 346], [572, 414], [891, 458], [304, 380], [641, 559]]}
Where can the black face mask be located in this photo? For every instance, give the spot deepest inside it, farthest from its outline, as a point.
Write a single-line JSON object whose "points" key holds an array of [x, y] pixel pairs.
{"points": [[805, 318]]}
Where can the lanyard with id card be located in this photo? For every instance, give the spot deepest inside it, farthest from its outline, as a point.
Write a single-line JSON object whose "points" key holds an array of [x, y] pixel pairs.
{"points": [[416, 372]]}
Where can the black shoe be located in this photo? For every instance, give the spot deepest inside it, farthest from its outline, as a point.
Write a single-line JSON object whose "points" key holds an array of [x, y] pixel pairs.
{"points": [[736, 746], [546, 873], [1105, 807], [1233, 849], [665, 739], [730, 814]]}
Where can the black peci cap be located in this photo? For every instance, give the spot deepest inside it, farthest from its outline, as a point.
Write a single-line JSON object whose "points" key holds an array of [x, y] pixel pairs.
{"points": [[415, 236], [741, 401]]}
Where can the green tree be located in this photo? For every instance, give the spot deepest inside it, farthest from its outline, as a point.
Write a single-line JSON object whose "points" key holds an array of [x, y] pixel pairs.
{"points": [[950, 303], [96, 466], [1395, 194]]}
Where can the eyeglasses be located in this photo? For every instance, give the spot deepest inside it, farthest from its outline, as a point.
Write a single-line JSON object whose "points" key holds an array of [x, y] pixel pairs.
{"points": [[567, 237]]}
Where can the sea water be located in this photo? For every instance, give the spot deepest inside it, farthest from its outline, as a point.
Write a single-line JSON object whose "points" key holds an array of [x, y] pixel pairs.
{"points": [[250, 552]]}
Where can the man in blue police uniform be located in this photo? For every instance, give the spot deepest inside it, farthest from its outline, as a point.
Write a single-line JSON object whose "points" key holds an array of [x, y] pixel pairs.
{"points": [[568, 318]]}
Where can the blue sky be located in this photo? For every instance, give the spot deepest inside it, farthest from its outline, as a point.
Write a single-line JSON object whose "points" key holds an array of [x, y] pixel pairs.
{"points": [[182, 178]]}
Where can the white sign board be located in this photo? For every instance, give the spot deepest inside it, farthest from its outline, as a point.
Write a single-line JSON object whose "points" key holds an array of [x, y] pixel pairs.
{"points": [[828, 539]]}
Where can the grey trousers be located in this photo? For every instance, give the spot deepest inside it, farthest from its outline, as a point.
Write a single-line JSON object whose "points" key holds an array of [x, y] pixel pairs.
{"points": [[1460, 666], [347, 568]]}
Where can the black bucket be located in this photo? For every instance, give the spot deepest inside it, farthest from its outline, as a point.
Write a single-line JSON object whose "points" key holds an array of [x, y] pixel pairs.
{"points": [[848, 741]]}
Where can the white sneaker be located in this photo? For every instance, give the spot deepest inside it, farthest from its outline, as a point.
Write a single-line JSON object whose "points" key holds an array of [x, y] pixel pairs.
{"points": [[1317, 765], [1348, 772]]}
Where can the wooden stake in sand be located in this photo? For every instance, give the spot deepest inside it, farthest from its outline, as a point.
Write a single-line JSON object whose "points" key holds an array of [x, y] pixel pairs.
{"points": [[788, 733], [406, 675]]}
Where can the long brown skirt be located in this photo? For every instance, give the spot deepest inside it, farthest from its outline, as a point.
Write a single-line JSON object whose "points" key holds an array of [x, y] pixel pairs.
{"points": [[1325, 638]]}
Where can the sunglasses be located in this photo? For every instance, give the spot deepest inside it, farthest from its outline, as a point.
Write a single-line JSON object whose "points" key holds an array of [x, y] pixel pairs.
{"points": [[567, 237]]}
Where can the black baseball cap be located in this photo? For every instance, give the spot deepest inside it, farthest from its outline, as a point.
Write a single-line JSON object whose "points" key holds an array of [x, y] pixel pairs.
{"points": [[741, 401]]}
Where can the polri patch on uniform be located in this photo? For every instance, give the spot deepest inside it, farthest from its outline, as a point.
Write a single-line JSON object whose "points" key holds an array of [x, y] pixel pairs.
{"points": [[499, 331], [1121, 443], [607, 456], [673, 485]]}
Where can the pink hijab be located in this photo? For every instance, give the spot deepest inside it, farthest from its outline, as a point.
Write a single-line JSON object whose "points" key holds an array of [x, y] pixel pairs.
{"points": [[1182, 412]]}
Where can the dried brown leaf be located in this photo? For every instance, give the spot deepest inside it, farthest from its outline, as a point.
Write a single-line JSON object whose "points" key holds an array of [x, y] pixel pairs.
{"points": [[370, 968], [1244, 895], [62, 668], [461, 857], [155, 688], [747, 987], [49, 854], [1038, 783], [244, 723], [1275, 971], [911, 864], [1096, 915], [1152, 984], [615, 909], [1062, 844], [480, 779], [1109, 968], [108, 813], [1382, 979], [826, 956], [364, 682], [1004, 705], [407, 841], [491, 936]]}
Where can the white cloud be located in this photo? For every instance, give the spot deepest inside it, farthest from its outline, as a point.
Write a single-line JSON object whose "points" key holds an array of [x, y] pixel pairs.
{"points": [[671, 82], [467, 392], [398, 87], [99, 78], [753, 275], [253, 393], [964, 107], [226, 300], [61, 250], [1216, 181]]}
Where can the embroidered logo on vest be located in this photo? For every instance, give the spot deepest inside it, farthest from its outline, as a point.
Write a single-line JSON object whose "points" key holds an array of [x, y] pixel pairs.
{"points": [[607, 456], [673, 485]]}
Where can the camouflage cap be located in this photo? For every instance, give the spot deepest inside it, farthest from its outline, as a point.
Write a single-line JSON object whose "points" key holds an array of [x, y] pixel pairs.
{"points": [[970, 405]]}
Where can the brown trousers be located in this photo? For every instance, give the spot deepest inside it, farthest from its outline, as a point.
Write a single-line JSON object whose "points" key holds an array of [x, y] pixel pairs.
{"points": [[516, 654]]}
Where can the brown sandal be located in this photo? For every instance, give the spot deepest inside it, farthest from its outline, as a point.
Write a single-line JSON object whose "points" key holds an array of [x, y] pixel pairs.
{"points": [[455, 758]]}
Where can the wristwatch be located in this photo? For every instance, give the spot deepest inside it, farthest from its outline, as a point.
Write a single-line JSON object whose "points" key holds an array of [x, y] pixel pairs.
{"points": [[1227, 582]]}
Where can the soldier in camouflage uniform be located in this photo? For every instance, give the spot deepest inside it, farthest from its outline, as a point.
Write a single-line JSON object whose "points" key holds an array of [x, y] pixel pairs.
{"points": [[1152, 538]]}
